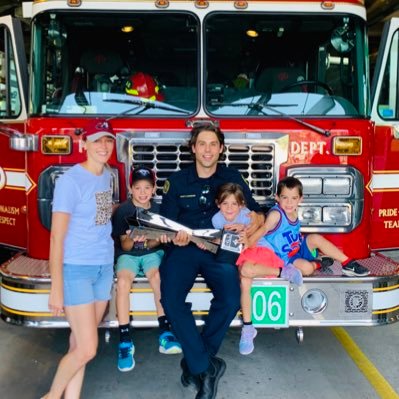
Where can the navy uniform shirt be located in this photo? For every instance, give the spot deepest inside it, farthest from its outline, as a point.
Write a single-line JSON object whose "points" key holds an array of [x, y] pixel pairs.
{"points": [[190, 200]]}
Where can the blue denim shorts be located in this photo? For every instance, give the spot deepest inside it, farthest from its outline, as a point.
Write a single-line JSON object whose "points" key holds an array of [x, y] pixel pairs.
{"points": [[139, 265], [87, 283]]}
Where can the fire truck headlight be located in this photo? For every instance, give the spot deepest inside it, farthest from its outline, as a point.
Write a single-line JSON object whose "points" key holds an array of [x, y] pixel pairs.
{"points": [[347, 145], [337, 186], [56, 145], [309, 214], [337, 215], [312, 185], [314, 301]]}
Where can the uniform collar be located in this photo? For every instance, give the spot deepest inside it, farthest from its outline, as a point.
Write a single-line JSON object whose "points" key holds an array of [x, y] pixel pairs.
{"points": [[193, 175]]}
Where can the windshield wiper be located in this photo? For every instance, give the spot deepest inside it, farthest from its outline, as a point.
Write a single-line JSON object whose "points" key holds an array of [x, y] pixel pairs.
{"points": [[146, 104], [259, 107]]}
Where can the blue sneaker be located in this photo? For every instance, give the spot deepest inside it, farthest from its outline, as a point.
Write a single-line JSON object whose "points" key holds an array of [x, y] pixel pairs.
{"points": [[292, 274], [248, 334], [125, 356], [168, 344]]}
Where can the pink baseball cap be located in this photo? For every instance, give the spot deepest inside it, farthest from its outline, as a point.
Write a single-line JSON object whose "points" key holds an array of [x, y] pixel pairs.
{"points": [[96, 129]]}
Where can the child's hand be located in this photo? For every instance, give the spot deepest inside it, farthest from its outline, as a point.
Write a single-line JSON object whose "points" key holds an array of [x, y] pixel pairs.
{"points": [[141, 238]]}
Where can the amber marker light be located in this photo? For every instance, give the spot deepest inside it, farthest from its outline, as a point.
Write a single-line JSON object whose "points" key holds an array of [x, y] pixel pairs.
{"points": [[56, 145], [74, 3], [201, 3], [241, 5], [347, 145], [327, 5], [162, 3]]}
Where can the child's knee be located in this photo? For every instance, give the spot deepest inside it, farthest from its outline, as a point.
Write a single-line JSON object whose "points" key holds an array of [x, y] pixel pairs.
{"points": [[124, 283], [153, 275], [246, 270]]}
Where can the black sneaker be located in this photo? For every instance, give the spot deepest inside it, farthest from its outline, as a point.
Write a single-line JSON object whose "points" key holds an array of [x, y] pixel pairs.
{"points": [[355, 269], [325, 263]]}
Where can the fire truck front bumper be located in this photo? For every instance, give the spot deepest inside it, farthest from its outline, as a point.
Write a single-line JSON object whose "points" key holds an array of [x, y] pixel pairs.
{"points": [[324, 299]]}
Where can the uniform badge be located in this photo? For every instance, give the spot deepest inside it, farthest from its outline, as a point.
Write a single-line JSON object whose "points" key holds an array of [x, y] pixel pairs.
{"points": [[166, 187]]}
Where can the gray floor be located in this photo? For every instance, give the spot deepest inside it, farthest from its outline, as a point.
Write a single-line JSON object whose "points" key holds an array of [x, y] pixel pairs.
{"points": [[279, 367]]}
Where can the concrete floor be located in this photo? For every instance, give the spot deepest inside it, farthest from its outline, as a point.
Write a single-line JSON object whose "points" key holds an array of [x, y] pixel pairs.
{"points": [[279, 368]]}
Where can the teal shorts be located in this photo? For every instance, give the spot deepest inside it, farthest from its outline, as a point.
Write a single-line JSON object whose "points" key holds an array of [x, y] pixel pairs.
{"points": [[139, 265]]}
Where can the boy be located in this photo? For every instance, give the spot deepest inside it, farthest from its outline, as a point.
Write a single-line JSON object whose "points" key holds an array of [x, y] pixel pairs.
{"points": [[137, 257], [281, 231], [282, 227]]}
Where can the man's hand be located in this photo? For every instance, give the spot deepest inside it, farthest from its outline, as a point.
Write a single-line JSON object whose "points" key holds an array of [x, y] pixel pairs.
{"points": [[257, 220], [182, 238], [235, 227]]}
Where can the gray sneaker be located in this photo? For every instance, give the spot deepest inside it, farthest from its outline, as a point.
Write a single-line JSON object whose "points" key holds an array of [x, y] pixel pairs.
{"points": [[292, 274], [248, 334]]}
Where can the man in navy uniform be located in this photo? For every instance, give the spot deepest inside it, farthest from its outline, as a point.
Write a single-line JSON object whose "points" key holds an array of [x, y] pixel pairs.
{"points": [[189, 198]]}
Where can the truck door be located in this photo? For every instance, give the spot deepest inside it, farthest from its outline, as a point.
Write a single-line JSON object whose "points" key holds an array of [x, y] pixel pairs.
{"points": [[384, 185], [14, 182]]}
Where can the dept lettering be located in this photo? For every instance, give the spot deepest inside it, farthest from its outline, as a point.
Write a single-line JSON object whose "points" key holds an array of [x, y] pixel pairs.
{"points": [[307, 147]]}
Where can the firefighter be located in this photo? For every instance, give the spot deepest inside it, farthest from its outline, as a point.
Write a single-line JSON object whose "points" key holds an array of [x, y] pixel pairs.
{"points": [[189, 198]]}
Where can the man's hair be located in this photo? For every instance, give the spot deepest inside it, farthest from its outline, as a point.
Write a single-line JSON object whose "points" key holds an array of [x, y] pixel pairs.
{"points": [[290, 183], [199, 128], [230, 189]]}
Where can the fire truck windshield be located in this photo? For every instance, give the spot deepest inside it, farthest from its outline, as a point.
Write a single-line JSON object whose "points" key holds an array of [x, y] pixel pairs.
{"points": [[140, 64], [311, 65], [121, 64]]}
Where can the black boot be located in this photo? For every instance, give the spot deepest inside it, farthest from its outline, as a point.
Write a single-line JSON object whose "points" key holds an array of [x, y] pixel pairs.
{"points": [[188, 379], [210, 379]]}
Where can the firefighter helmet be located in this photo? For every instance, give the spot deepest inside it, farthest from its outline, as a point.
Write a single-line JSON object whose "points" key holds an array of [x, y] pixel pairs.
{"points": [[143, 85]]}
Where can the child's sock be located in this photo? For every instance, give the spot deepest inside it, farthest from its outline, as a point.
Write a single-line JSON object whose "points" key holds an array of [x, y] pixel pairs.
{"points": [[124, 333], [247, 323], [163, 324]]}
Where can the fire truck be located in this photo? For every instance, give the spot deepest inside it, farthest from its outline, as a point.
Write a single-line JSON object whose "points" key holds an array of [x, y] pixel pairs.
{"points": [[287, 82]]}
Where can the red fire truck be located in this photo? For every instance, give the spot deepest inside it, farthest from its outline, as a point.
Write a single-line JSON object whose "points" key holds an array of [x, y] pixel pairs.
{"points": [[288, 83]]}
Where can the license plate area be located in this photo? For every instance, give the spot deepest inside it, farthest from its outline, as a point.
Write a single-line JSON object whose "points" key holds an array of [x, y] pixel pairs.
{"points": [[270, 304]]}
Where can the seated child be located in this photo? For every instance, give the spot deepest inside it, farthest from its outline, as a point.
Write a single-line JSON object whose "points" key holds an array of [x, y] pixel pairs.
{"points": [[281, 231], [136, 257], [256, 261]]}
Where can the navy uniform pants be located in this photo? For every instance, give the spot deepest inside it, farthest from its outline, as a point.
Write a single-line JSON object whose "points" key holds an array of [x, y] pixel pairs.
{"points": [[178, 271]]}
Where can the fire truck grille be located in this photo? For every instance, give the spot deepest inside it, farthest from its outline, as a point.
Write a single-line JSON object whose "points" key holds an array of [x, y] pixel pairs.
{"points": [[253, 159]]}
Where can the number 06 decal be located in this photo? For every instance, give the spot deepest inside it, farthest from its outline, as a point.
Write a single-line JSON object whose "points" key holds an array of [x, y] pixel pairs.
{"points": [[270, 305]]}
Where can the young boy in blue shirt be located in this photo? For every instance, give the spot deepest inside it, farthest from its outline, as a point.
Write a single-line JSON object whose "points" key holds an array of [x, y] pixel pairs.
{"points": [[137, 257]]}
